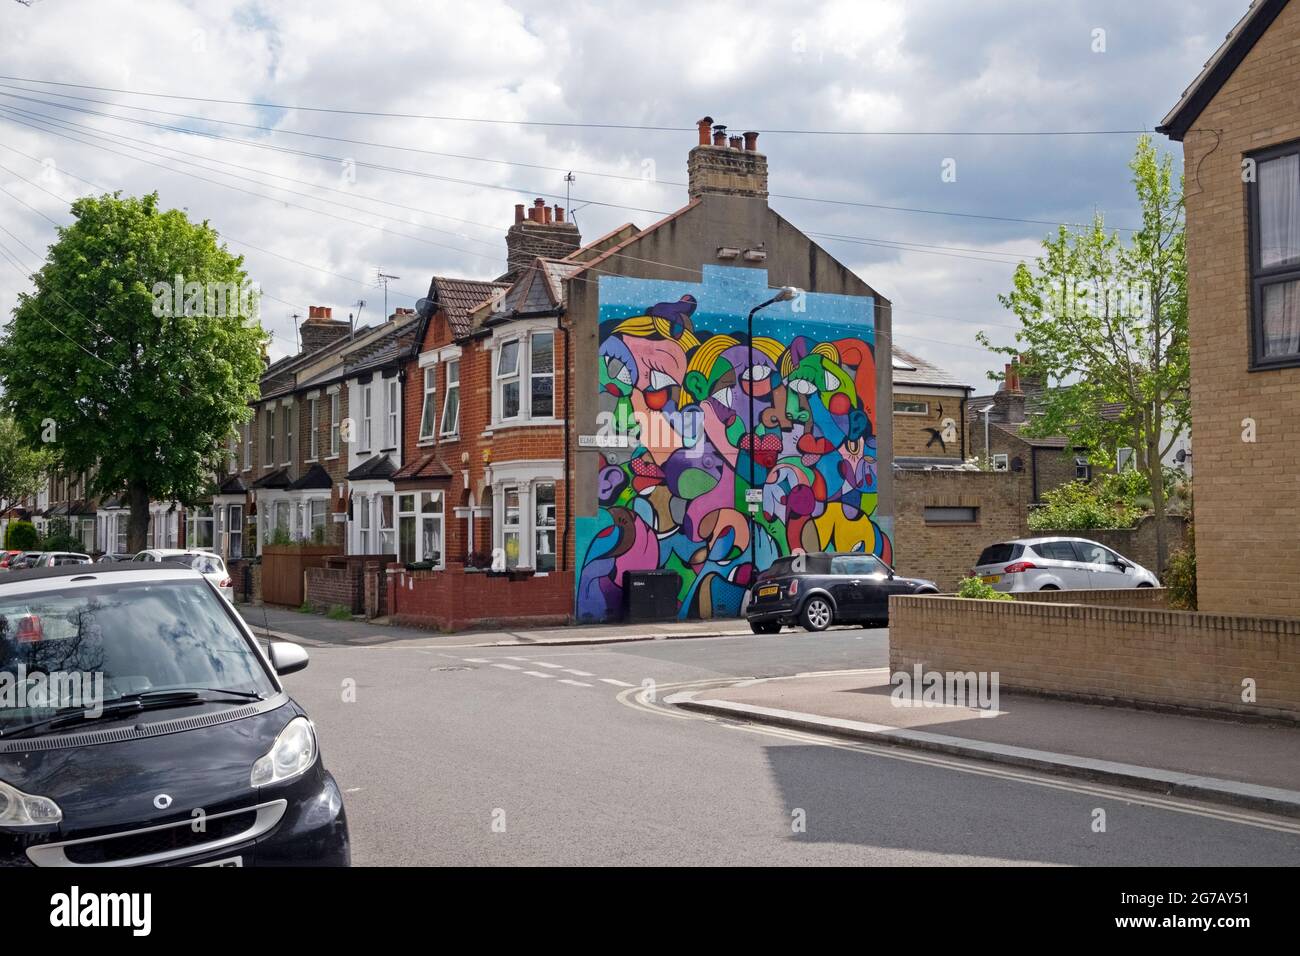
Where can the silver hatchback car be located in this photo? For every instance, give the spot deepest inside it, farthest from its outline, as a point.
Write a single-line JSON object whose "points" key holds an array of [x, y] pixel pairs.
{"points": [[1058, 564]]}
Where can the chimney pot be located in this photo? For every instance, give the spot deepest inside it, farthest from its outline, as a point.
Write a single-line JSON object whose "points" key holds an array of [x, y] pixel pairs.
{"points": [[519, 212], [704, 126], [751, 141], [719, 135], [546, 213], [733, 142], [559, 213]]}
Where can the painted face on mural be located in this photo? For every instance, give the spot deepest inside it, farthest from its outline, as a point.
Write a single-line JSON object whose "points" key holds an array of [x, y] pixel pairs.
{"points": [[681, 376]]}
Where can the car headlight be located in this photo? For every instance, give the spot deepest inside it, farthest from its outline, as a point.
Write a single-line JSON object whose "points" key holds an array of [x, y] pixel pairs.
{"points": [[293, 752], [18, 809]]}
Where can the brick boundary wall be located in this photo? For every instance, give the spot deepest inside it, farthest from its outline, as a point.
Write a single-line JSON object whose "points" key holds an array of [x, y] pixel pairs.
{"points": [[328, 587], [453, 599], [1156, 598], [1183, 660]]}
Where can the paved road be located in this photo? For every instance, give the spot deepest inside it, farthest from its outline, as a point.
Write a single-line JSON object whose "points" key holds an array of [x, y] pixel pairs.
{"points": [[440, 744]]}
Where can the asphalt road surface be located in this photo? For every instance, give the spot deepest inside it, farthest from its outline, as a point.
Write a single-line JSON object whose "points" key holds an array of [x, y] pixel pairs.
{"points": [[535, 755]]}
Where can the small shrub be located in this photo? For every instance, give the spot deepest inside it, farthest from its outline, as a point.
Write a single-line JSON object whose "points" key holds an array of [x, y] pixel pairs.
{"points": [[1180, 575], [338, 612], [21, 536], [306, 608], [973, 587]]}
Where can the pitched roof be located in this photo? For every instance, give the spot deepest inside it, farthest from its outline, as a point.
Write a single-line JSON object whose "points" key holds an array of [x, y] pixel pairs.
{"points": [[233, 485], [316, 478], [1017, 430], [1240, 40], [379, 467], [456, 298], [911, 369], [276, 479], [429, 465]]}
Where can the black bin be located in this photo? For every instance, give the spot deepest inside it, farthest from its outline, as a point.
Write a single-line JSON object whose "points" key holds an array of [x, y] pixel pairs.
{"points": [[650, 595]]}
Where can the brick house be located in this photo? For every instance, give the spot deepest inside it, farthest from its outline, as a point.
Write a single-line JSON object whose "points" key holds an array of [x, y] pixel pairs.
{"points": [[929, 409], [605, 416], [1239, 123]]}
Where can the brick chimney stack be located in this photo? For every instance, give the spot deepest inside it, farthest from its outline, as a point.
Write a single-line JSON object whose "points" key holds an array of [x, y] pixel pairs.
{"points": [[539, 230], [321, 329], [1009, 399], [723, 165]]}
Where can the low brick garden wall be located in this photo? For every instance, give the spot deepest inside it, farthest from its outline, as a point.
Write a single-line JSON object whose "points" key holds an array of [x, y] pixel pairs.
{"points": [[1105, 597], [455, 599], [342, 582], [1130, 655]]}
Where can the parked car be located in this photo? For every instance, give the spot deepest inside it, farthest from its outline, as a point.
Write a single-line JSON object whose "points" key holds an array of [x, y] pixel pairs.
{"points": [[54, 559], [192, 721], [1058, 564], [818, 590], [112, 557], [6, 557], [27, 559]]}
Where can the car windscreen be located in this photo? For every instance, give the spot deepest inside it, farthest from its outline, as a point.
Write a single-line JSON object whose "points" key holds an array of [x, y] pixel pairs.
{"points": [[126, 638], [204, 563], [1000, 553]]}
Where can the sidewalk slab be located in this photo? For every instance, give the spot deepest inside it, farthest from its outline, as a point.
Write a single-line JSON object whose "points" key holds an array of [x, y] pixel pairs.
{"points": [[1225, 761], [320, 631]]}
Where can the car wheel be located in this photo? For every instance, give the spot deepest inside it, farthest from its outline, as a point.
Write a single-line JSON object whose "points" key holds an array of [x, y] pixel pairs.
{"points": [[1049, 587], [817, 614], [768, 627], [1145, 584]]}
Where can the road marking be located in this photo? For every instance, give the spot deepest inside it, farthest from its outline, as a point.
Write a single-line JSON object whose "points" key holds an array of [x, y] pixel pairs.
{"points": [[477, 660], [552, 666], [638, 701], [538, 674], [516, 658], [508, 667], [570, 670], [572, 683], [616, 683]]}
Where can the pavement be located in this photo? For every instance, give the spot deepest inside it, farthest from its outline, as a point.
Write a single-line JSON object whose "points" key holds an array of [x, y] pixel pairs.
{"points": [[1243, 764], [561, 754], [316, 630]]}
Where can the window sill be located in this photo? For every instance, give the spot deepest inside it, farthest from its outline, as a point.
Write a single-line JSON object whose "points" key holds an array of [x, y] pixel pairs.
{"points": [[426, 442], [525, 423]]}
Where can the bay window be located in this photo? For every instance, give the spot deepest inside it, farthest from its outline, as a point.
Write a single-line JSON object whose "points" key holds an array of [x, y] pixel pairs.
{"points": [[431, 527], [387, 532], [544, 526], [451, 402], [508, 380], [362, 505], [1275, 258], [200, 531], [542, 370], [429, 409], [406, 529], [510, 526], [235, 535], [316, 517]]}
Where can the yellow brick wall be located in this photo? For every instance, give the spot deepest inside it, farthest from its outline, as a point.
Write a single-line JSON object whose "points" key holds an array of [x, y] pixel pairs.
{"points": [[913, 435], [1246, 495], [1180, 659]]}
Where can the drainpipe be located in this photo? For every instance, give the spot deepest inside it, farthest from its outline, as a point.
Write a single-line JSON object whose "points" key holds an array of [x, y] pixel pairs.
{"points": [[568, 455]]}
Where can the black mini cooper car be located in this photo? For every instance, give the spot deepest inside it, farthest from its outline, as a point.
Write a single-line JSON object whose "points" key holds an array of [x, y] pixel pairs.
{"points": [[142, 724], [818, 590]]}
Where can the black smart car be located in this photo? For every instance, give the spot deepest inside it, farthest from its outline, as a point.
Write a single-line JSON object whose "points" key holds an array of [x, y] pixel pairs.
{"points": [[142, 724], [818, 590]]}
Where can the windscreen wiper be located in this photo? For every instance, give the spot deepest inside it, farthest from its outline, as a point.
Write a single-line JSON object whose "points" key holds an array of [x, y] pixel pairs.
{"points": [[131, 704]]}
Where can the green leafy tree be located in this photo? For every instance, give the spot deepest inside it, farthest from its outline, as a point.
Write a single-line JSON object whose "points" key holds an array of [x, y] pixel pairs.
{"points": [[1105, 322], [137, 353], [22, 466], [21, 536]]}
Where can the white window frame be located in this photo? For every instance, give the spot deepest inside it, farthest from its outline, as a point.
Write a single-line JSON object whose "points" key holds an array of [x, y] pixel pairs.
{"points": [[429, 404], [407, 516], [925, 406], [336, 408], [392, 402], [533, 376], [500, 380], [234, 532], [313, 441], [367, 409], [268, 448], [248, 444], [387, 533], [288, 433], [544, 526], [451, 388], [438, 518], [364, 522], [515, 530]]}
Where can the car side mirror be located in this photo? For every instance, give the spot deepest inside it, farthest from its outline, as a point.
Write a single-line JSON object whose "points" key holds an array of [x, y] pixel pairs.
{"points": [[286, 658]]}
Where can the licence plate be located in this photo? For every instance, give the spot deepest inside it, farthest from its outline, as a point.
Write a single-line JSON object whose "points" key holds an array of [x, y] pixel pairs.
{"points": [[228, 861], [768, 591], [991, 578]]}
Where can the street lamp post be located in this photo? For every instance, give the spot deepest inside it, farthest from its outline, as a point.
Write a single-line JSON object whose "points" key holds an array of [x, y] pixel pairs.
{"points": [[784, 295]]}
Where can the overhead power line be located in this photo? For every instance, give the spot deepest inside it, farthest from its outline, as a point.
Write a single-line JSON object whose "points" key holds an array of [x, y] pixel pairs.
{"points": [[498, 121]]}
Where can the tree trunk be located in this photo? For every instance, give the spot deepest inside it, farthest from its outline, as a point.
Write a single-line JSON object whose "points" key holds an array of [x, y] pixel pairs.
{"points": [[137, 528], [1156, 477]]}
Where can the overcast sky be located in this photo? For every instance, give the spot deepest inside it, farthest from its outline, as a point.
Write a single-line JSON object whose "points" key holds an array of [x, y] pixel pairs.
{"points": [[890, 65]]}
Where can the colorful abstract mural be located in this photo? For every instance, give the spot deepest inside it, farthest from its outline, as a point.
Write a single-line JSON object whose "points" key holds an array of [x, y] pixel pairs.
{"points": [[677, 378]]}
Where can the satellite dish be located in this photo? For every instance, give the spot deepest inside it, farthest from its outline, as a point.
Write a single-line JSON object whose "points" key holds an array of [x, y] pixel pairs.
{"points": [[1017, 464], [425, 307]]}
